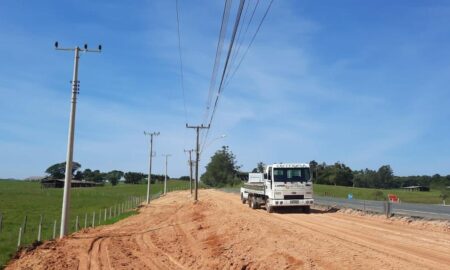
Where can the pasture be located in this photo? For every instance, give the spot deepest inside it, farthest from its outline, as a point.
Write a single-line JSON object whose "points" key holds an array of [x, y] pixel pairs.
{"points": [[19, 199], [429, 197]]}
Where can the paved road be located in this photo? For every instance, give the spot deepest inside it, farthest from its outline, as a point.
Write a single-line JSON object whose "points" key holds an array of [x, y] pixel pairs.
{"points": [[429, 211]]}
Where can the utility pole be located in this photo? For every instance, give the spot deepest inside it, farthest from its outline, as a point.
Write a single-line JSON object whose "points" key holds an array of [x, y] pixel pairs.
{"points": [[69, 157], [197, 150], [149, 179], [190, 167], [165, 176]]}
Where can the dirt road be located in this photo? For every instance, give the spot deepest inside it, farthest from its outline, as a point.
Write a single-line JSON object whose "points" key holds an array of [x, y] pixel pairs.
{"points": [[221, 233]]}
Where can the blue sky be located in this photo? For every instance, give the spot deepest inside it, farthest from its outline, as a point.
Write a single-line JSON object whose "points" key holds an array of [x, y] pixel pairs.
{"points": [[361, 82]]}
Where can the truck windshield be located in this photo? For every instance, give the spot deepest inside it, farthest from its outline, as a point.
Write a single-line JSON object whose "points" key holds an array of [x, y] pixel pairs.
{"points": [[291, 174]]}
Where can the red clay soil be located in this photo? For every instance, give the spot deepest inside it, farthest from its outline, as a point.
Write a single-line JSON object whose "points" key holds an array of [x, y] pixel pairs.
{"points": [[219, 232]]}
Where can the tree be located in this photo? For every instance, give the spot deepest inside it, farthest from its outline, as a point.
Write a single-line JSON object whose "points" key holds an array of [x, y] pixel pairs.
{"points": [[385, 176], [114, 177], [313, 167], [344, 175], [222, 169], [93, 176], [444, 195], [133, 177], [184, 178], [58, 170]]}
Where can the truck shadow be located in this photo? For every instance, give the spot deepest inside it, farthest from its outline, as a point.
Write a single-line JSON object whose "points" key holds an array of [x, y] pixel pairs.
{"points": [[313, 211]]}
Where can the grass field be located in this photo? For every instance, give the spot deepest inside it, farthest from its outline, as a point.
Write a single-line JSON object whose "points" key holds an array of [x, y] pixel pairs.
{"points": [[19, 199], [430, 197]]}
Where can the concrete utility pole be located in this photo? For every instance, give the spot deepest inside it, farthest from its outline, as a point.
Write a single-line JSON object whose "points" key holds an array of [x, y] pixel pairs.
{"points": [[190, 167], [165, 176], [69, 158], [149, 179], [197, 150]]}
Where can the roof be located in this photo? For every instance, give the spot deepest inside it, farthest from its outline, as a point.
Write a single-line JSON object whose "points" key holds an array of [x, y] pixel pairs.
{"points": [[289, 165], [73, 181]]}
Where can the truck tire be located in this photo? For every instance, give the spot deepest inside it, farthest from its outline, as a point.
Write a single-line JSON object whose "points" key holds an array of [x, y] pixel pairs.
{"points": [[249, 201], [254, 204], [242, 198], [306, 209]]}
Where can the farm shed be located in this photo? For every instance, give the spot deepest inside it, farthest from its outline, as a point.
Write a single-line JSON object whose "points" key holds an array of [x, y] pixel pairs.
{"points": [[59, 183], [416, 188]]}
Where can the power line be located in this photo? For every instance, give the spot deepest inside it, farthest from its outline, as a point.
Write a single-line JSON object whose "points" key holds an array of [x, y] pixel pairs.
{"points": [[230, 49], [222, 33], [238, 39], [239, 44], [251, 42], [181, 61]]}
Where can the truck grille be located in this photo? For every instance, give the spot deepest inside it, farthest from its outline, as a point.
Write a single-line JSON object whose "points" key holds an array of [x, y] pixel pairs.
{"points": [[293, 197]]}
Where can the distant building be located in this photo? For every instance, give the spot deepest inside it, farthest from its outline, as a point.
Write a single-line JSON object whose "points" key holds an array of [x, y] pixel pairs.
{"points": [[34, 178], [416, 188], [59, 183]]}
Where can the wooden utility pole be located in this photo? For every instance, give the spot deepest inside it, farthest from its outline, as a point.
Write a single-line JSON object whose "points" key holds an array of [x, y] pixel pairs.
{"points": [[197, 158]]}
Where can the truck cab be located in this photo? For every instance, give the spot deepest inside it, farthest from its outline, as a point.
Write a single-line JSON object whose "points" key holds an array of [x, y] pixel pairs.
{"points": [[281, 185]]}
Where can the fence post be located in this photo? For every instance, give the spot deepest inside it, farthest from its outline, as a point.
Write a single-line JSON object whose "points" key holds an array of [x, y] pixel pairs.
{"points": [[20, 238], [1, 222], [93, 219], [387, 208], [105, 215], [85, 220], [54, 229], [110, 210], [39, 229], [76, 224], [99, 217]]}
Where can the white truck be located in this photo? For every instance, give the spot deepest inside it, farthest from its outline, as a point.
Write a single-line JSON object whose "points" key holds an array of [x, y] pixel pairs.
{"points": [[281, 185]]}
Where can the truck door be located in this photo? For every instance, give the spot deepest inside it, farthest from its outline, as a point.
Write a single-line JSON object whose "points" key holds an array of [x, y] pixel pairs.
{"points": [[269, 179]]}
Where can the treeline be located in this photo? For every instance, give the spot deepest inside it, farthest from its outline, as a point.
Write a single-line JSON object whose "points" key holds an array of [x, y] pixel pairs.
{"points": [[57, 171], [341, 175]]}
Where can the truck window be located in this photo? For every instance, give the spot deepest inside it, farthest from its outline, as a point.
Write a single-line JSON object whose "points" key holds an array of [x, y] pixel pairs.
{"points": [[291, 174]]}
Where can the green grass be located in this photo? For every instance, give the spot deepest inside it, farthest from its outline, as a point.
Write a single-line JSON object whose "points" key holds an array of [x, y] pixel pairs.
{"points": [[430, 197], [19, 199]]}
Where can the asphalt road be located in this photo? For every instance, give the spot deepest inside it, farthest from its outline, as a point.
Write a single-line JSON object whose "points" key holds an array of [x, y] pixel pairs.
{"points": [[428, 211]]}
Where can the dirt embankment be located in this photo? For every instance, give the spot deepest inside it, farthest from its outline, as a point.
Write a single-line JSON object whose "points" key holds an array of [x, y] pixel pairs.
{"points": [[221, 233]]}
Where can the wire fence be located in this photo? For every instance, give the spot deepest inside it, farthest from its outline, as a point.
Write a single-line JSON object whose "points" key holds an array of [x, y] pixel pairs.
{"points": [[32, 229]]}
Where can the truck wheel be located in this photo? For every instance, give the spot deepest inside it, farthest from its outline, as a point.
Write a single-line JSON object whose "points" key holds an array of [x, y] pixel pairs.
{"points": [[242, 198], [254, 203], [306, 209], [249, 201]]}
